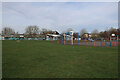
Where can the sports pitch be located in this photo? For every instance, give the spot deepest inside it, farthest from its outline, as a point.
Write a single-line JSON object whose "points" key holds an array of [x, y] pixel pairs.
{"points": [[42, 59]]}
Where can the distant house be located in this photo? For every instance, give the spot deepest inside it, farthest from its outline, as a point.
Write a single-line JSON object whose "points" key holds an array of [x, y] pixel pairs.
{"points": [[56, 36], [6, 37], [53, 36], [114, 37], [20, 36], [90, 35], [1, 37], [13, 36], [87, 35]]}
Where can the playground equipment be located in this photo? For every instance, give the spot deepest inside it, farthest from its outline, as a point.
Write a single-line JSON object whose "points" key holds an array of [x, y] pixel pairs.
{"points": [[67, 39], [71, 36]]}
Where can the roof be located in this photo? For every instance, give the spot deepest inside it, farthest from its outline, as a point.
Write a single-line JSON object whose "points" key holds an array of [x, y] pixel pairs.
{"points": [[54, 35]]}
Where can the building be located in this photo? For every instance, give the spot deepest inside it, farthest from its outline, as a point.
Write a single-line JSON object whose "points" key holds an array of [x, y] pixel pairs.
{"points": [[1, 37], [90, 36], [87, 35], [114, 37], [13, 36], [52, 36]]}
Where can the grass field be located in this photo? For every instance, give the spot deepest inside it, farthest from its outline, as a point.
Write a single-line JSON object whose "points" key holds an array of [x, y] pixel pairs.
{"points": [[42, 59]]}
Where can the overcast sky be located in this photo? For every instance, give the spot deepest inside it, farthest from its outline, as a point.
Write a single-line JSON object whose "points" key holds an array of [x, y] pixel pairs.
{"points": [[60, 15]]}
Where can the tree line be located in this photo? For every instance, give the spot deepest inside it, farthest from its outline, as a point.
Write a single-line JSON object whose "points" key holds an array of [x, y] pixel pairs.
{"points": [[96, 34], [30, 31], [33, 31]]}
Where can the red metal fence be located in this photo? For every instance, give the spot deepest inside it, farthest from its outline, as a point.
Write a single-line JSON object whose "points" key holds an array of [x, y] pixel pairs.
{"points": [[88, 43]]}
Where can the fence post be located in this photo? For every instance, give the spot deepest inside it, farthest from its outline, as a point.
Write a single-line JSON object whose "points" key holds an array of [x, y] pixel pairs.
{"points": [[55, 40], [52, 40], [117, 43], [70, 40], [106, 44], [62, 39], [78, 38], [59, 38], [65, 38], [85, 40], [110, 43], [93, 43], [101, 44]]}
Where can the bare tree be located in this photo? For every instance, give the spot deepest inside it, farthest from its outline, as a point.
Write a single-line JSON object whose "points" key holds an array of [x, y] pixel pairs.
{"points": [[69, 29], [32, 31], [44, 30], [17, 34], [107, 33], [83, 31], [7, 31], [113, 31], [95, 31], [95, 34], [75, 35]]}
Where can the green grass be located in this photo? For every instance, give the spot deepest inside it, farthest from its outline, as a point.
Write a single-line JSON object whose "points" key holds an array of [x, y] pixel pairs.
{"points": [[42, 59]]}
